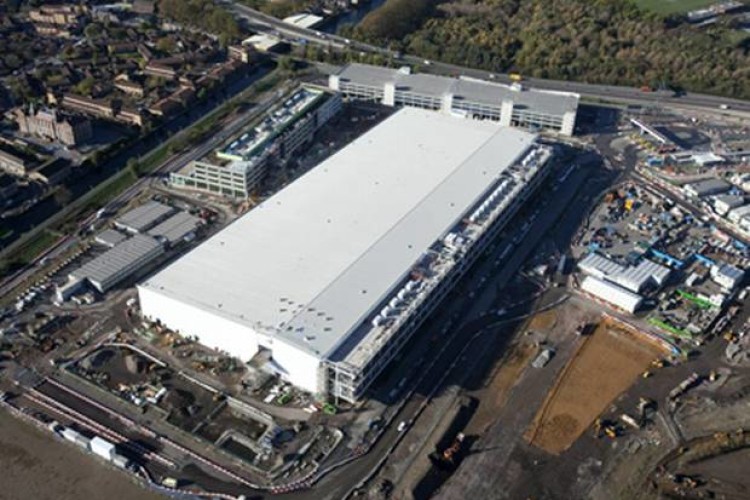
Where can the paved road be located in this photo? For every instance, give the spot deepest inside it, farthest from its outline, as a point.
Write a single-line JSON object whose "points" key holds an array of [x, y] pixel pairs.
{"points": [[272, 25]]}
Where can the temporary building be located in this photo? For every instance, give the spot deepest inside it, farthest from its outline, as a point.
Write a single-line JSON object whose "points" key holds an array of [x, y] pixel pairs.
{"points": [[612, 294]]}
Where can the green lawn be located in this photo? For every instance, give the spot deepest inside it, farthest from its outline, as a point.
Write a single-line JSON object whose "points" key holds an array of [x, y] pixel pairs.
{"points": [[31, 248], [110, 188], [673, 6]]}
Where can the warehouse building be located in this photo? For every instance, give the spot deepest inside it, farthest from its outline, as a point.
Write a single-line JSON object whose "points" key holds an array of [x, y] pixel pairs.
{"points": [[331, 279], [612, 294], [633, 278], [238, 168], [706, 188], [143, 217], [513, 105], [110, 238], [724, 203], [739, 214], [642, 276], [599, 266], [179, 227], [727, 276], [118, 263]]}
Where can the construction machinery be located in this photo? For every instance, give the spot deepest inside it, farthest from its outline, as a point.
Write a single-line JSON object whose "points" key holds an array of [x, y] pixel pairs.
{"points": [[449, 453], [448, 457], [598, 428], [630, 421], [730, 337], [658, 363], [643, 406], [610, 431], [606, 427]]}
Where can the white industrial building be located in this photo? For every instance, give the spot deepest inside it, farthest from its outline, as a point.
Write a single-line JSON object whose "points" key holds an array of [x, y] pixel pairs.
{"points": [[334, 273], [109, 238], [633, 278], [740, 216], [727, 276], [143, 217], [116, 264], [612, 294], [724, 203], [707, 159], [643, 275], [706, 188], [599, 266], [514, 105], [181, 226]]}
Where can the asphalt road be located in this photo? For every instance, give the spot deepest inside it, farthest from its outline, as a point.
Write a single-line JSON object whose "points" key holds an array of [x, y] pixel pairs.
{"points": [[272, 25]]}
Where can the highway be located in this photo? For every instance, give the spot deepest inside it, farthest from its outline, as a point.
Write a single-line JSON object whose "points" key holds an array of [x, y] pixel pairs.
{"points": [[274, 26]]}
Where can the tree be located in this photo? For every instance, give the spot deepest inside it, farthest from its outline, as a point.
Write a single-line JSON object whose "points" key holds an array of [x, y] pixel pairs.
{"points": [[165, 44], [62, 196], [608, 41], [95, 158], [134, 167], [13, 61], [286, 63], [85, 86], [93, 30]]}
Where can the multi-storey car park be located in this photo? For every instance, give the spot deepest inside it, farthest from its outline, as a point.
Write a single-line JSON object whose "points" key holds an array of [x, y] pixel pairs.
{"points": [[513, 105], [334, 273], [240, 166]]}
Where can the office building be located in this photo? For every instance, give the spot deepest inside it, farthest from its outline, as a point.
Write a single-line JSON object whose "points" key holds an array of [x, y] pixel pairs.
{"points": [[237, 169]]}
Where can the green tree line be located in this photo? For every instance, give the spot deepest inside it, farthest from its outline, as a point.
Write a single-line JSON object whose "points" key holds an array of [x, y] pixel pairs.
{"points": [[203, 14], [596, 41]]}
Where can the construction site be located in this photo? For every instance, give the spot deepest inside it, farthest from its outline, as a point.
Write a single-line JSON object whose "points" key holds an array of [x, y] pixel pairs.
{"points": [[241, 433], [634, 386], [604, 365], [596, 347]]}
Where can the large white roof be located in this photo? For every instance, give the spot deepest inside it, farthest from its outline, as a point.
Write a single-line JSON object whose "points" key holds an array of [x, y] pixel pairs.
{"points": [[310, 263], [609, 292]]}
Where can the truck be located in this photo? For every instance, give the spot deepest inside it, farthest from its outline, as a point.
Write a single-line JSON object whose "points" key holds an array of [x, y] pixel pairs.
{"points": [[543, 358], [515, 77], [169, 482]]}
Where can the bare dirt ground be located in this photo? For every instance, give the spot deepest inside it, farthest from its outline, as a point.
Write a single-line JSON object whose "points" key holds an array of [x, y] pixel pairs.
{"points": [[543, 321], [36, 466], [605, 365], [496, 394]]}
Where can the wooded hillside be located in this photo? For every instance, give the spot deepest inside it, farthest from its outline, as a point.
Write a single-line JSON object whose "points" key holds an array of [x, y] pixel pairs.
{"points": [[597, 41]]}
